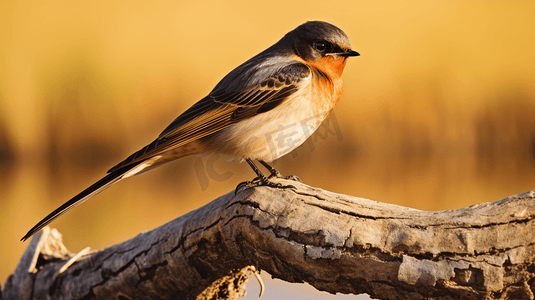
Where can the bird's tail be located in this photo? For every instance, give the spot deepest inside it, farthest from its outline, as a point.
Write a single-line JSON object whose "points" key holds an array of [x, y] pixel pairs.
{"points": [[91, 191]]}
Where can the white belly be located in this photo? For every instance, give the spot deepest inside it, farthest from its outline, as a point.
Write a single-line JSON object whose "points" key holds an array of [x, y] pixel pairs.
{"points": [[272, 134]]}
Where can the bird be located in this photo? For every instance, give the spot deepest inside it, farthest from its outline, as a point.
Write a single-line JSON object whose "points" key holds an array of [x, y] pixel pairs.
{"points": [[261, 110]]}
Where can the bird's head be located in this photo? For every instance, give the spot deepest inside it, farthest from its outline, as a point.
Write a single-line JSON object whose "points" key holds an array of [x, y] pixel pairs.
{"points": [[316, 39], [321, 45]]}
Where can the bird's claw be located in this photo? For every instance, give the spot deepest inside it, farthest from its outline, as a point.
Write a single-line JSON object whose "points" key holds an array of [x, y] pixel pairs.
{"points": [[266, 182], [277, 174], [247, 184]]}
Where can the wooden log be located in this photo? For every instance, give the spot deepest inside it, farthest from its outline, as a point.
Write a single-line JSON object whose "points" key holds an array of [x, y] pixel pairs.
{"points": [[336, 243]]}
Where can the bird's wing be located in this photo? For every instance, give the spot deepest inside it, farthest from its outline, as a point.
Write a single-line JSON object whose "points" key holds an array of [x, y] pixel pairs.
{"points": [[222, 108]]}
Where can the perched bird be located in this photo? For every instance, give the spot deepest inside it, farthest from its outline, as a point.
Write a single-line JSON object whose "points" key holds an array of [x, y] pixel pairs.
{"points": [[262, 110]]}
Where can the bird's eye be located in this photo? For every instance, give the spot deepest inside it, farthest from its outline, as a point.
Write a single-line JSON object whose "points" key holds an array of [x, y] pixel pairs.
{"points": [[320, 46]]}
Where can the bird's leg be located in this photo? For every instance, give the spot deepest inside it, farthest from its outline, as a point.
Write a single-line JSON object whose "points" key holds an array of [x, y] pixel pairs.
{"points": [[277, 174], [261, 179]]}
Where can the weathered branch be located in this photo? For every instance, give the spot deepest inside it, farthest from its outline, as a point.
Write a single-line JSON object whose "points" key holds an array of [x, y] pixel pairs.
{"points": [[337, 243]]}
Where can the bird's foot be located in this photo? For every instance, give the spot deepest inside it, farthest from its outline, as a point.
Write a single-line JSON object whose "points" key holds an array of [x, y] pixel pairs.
{"points": [[265, 181], [279, 175], [247, 184]]}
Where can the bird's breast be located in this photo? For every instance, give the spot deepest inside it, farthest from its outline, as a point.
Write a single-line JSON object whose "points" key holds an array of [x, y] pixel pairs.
{"points": [[272, 134]]}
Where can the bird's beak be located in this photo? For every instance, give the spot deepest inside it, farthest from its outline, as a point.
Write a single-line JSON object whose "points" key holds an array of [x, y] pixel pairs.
{"points": [[348, 53]]}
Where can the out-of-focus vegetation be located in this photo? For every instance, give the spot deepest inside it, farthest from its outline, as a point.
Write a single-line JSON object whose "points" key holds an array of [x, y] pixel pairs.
{"points": [[437, 113]]}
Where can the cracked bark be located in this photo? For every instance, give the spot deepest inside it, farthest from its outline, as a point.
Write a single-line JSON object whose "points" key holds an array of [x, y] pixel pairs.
{"points": [[337, 243]]}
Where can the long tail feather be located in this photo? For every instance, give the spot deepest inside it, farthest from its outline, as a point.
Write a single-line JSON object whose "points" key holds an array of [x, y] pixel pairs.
{"points": [[91, 191]]}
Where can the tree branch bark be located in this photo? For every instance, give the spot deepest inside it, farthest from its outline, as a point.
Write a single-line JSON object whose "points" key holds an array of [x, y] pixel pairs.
{"points": [[336, 243]]}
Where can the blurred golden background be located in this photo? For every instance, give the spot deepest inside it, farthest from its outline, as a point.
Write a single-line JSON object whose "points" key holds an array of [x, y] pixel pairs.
{"points": [[437, 113]]}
